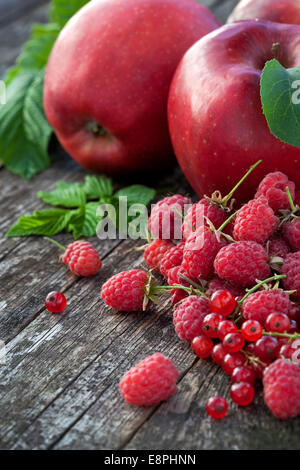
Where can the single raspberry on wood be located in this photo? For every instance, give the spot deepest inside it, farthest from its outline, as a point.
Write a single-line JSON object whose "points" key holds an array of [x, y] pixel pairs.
{"points": [[242, 263], [291, 269], [155, 251], [291, 233], [259, 305], [195, 217], [82, 258], [151, 381], [166, 217], [255, 221], [171, 259], [188, 317], [273, 187], [127, 291], [282, 388]]}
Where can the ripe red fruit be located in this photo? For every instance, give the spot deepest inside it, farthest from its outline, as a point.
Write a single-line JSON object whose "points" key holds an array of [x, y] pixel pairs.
{"points": [[279, 11], [278, 322], [291, 268], [223, 139], [286, 351], [82, 258], [210, 325], [217, 283], [195, 217], [291, 233], [277, 247], [267, 347], [259, 305], [55, 302], [217, 407], [155, 252], [251, 330], [151, 381], [273, 187], [222, 302], [188, 317], [243, 374], [218, 354], [233, 342], [202, 346], [119, 124], [233, 360], [242, 393], [226, 327], [294, 312], [172, 258], [166, 217]]}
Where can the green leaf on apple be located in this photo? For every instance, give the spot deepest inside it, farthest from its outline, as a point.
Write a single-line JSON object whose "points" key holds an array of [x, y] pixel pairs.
{"points": [[280, 96]]}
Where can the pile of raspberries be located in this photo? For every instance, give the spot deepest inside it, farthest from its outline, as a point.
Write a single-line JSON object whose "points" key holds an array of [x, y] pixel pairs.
{"points": [[234, 282]]}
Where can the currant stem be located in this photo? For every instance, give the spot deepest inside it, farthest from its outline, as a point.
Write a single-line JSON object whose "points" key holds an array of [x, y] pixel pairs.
{"points": [[54, 242], [290, 199], [229, 195], [281, 335]]}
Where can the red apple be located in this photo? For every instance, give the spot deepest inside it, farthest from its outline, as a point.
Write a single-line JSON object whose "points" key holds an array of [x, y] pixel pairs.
{"points": [[108, 78], [279, 11], [215, 114]]}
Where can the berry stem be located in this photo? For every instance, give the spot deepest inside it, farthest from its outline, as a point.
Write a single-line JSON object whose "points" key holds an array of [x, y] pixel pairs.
{"points": [[282, 335], [197, 286], [183, 218], [227, 222], [290, 199], [59, 245], [229, 195], [189, 290]]}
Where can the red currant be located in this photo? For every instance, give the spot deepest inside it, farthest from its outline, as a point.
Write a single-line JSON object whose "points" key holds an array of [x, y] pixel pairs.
{"points": [[233, 360], [251, 330], [243, 374], [223, 302], [217, 407], [218, 354], [210, 325], [203, 346], [286, 351], [55, 302], [278, 322], [226, 327], [242, 393], [233, 342], [266, 347]]}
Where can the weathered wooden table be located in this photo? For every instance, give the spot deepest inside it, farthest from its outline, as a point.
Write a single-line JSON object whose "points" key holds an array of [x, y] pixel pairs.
{"points": [[59, 387]]}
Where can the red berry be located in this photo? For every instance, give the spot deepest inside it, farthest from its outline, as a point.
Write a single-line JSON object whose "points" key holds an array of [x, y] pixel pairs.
{"points": [[218, 354], [210, 325], [277, 247], [155, 251], [255, 221], [188, 317], [217, 283], [251, 330], [243, 374], [242, 263], [293, 327], [273, 187], [203, 346], [195, 216], [55, 302], [226, 327], [233, 342], [294, 312], [242, 393], [166, 217], [82, 258], [126, 290], [171, 259], [267, 347], [291, 268], [286, 351], [217, 407], [291, 233], [278, 322], [151, 381], [233, 360], [259, 368], [259, 305], [222, 302]]}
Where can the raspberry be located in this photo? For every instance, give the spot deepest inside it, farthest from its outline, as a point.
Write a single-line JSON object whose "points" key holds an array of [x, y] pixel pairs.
{"points": [[175, 278], [291, 268], [277, 247], [188, 317], [55, 302], [199, 253], [273, 187], [217, 407], [291, 233], [82, 258], [171, 258], [155, 251], [195, 216], [242, 263], [294, 312], [255, 221], [164, 221], [297, 199], [126, 291], [282, 388], [259, 305], [219, 284], [151, 381], [178, 296]]}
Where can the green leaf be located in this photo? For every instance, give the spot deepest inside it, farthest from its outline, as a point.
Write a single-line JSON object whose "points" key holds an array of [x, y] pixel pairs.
{"points": [[65, 195], [137, 194], [21, 121], [98, 187], [280, 101], [45, 222], [62, 10], [84, 221]]}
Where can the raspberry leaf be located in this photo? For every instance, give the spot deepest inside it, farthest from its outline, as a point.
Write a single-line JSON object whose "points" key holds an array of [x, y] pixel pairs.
{"points": [[65, 195], [84, 221], [98, 187], [137, 193], [45, 222]]}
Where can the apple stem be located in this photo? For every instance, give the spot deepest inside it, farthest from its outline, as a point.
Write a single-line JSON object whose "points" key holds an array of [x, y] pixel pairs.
{"points": [[290, 199], [226, 198], [275, 49]]}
